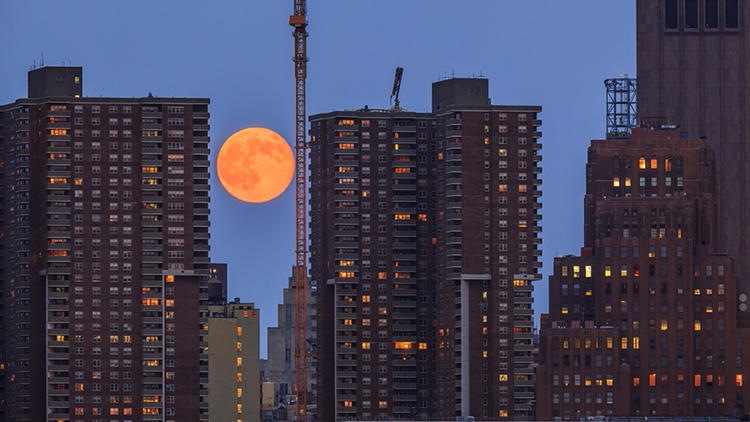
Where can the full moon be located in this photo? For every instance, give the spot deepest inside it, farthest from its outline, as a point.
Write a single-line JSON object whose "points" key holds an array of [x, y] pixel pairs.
{"points": [[255, 165]]}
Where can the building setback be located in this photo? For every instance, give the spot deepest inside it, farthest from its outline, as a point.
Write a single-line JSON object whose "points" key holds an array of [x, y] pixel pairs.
{"points": [[420, 223], [104, 254], [234, 362], [645, 322], [693, 71]]}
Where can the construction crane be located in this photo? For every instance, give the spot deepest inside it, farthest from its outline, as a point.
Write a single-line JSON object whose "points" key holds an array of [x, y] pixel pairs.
{"points": [[299, 22], [397, 88]]}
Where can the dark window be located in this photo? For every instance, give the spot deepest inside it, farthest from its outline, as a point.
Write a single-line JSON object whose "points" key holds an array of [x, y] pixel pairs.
{"points": [[712, 13], [691, 13], [732, 14], [670, 14]]}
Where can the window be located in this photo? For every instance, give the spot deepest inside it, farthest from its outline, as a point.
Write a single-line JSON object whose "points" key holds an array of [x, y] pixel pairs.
{"points": [[670, 14], [732, 14], [712, 14], [691, 14]]}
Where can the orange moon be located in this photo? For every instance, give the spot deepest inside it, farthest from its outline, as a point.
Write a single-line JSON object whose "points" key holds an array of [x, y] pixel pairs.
{"points": [[255, 165]]}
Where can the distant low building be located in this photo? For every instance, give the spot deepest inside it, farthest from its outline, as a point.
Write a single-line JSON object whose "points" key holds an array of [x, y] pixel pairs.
{"points": [[233, 361], [279, 368]]}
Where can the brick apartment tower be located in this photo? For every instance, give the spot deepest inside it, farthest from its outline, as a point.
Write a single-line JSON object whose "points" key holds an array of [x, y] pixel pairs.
{"points": [[424, 239], [645, 322], [693, 71], [104, 254]]}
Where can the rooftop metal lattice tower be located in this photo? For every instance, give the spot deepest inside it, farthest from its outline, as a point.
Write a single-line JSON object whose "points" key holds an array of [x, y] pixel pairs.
{"points": [[622, 94]]}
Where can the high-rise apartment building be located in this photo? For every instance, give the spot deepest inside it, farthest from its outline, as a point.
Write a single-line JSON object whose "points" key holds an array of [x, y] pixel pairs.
{"points": [[104, 254], [693, 72], [487, 225], [234, 362], [424, 245], [646, 321]]}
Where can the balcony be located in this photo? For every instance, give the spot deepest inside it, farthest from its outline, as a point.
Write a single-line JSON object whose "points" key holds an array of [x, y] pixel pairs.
{"points": [[453, 133], [346, 128]]}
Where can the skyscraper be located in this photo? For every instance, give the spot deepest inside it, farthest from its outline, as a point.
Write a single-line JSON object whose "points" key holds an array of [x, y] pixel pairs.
{"points": [[104, 253], [645, 322], [693, 72], [371, 213], [423, 240]]}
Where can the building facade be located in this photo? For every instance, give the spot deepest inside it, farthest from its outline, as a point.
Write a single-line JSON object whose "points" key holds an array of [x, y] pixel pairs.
{"points": [[646, 321], [487, 227], [693, 72], [411, 216], [105, 211], [234, 362]]}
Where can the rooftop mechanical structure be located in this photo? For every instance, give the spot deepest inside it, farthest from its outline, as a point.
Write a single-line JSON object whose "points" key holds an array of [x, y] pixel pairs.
{"points": [[622, 94]]}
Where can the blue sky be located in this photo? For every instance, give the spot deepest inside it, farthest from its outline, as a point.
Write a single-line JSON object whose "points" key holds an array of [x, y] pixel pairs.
{"points": [[551, 53]]}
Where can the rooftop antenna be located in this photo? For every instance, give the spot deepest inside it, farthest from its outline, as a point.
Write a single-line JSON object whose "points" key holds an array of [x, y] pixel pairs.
{"points": [[397, 89], [41, 62]]}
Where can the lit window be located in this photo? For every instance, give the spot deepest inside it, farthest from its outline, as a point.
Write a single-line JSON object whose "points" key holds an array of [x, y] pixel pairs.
{"points": [[636, 381], [366, 345], [651, 380], [697, 325], [738, 380], [697, 380], [636, 343], [642, 163], [623, 343], [588, 271], [616, 182], [239, 362], [610, 343], [607, 271], [653, 163], [239, 392], [503, 377]]}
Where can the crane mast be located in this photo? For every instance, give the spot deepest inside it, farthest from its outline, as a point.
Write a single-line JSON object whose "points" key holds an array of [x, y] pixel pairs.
{"points": [[299, 22]]}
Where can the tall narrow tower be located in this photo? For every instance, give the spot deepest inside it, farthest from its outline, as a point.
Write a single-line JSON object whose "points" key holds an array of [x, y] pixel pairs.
{"points": [[693, 72]]}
